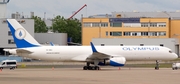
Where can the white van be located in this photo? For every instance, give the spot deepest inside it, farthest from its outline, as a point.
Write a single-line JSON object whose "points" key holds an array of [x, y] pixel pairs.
{"points": [[175, 66], [11, 64]]}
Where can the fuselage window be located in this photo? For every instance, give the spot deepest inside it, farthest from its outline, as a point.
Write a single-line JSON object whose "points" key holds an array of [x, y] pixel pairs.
{"points": [[170, 51]]}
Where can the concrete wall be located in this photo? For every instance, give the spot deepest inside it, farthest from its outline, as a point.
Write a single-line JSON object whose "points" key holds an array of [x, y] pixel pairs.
{"points": [[56, 38], [3, 10]]}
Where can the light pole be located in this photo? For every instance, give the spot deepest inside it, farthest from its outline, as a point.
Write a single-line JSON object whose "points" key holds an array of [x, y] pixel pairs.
{"points": [[44, 16]]}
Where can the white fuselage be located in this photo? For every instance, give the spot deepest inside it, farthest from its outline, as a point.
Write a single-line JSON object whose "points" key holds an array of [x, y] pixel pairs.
{"points": [[80, 53]]}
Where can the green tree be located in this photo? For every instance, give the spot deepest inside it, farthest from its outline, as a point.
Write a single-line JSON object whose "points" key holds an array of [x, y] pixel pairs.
{"points": [[70, 26], [40, 26]]}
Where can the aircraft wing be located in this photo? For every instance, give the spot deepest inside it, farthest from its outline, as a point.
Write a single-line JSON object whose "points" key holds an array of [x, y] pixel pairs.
{"points": [[97, 55], [23, 51], [94, 56]]}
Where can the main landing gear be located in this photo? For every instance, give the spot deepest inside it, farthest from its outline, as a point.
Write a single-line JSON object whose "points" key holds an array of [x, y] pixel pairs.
{"points": [[88, 67], [157, 65]]}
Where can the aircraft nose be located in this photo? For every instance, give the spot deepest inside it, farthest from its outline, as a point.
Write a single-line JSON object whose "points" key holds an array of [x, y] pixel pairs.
{"points": [[175, 56]]}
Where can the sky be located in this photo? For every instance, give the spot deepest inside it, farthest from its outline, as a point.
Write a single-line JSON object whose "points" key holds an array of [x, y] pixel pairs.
{"points": [[67, 7]]}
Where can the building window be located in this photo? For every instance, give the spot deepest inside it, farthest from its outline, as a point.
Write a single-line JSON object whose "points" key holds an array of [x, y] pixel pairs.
{"points": [[104, 24], [161, 24], [153, 24], [161, 44], [9, 33], [153, 34], [87, 24], [144, 33], [102, 44], [132, 24], [162, 33], [115, 33], [95, 24], [134, 33], [10, 41], [144, 24], [121, 44], [141, 44], [127, 33], [107, 33], [116, 24]]}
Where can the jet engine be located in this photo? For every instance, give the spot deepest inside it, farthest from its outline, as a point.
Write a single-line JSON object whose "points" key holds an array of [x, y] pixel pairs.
{"points": [[115, 61]]}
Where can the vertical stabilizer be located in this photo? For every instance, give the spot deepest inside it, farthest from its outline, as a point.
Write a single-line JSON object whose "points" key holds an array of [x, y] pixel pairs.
{"points": [[21, 37]]}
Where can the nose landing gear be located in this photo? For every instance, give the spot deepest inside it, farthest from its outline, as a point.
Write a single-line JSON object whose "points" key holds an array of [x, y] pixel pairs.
{"points": [[157, 65]]}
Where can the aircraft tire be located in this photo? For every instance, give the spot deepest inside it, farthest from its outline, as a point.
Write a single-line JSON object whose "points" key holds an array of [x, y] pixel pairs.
{"points": [[90, 68], [85, 68], [93, 68], [12, 68], [156, 68], [96, 68]]}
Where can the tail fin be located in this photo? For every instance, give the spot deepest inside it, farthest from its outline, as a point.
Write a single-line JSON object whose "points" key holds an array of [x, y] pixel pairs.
{"points": [[21, 37]]}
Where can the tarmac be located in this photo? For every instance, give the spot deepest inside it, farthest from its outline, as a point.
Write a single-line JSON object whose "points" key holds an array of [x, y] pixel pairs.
{"points": [[110, 75]]}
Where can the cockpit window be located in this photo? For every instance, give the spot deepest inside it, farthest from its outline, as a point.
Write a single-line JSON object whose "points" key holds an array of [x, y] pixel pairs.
{"points": [[3, 63], [170, 51]]}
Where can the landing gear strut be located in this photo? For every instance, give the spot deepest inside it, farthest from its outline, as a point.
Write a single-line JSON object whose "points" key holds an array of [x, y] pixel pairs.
{"points": [[88, 67], [157, 65]]}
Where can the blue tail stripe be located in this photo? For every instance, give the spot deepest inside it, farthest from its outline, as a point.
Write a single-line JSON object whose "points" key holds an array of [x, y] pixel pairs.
{"points": [[20, 43], [93, 48]]}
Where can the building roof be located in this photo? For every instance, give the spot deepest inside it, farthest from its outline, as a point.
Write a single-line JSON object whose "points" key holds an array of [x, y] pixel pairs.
{"points": [[136, 14]]}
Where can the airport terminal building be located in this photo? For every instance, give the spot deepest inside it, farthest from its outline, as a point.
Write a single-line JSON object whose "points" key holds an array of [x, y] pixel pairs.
{"points": [[125, 28]]}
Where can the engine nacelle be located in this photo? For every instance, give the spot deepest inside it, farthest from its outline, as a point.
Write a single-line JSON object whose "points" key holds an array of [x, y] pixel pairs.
{"points": [[115, 61]]}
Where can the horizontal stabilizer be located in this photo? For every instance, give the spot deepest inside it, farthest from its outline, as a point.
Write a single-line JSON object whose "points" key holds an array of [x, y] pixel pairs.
{"points": [[7, 50]]}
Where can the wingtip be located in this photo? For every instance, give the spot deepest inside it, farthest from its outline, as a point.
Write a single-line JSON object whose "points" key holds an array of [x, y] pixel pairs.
{"points": [[93, 48], [51, 44]]}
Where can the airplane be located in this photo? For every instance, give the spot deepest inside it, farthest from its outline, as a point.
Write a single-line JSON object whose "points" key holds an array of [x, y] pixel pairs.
{"points": [[93, 56]]}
